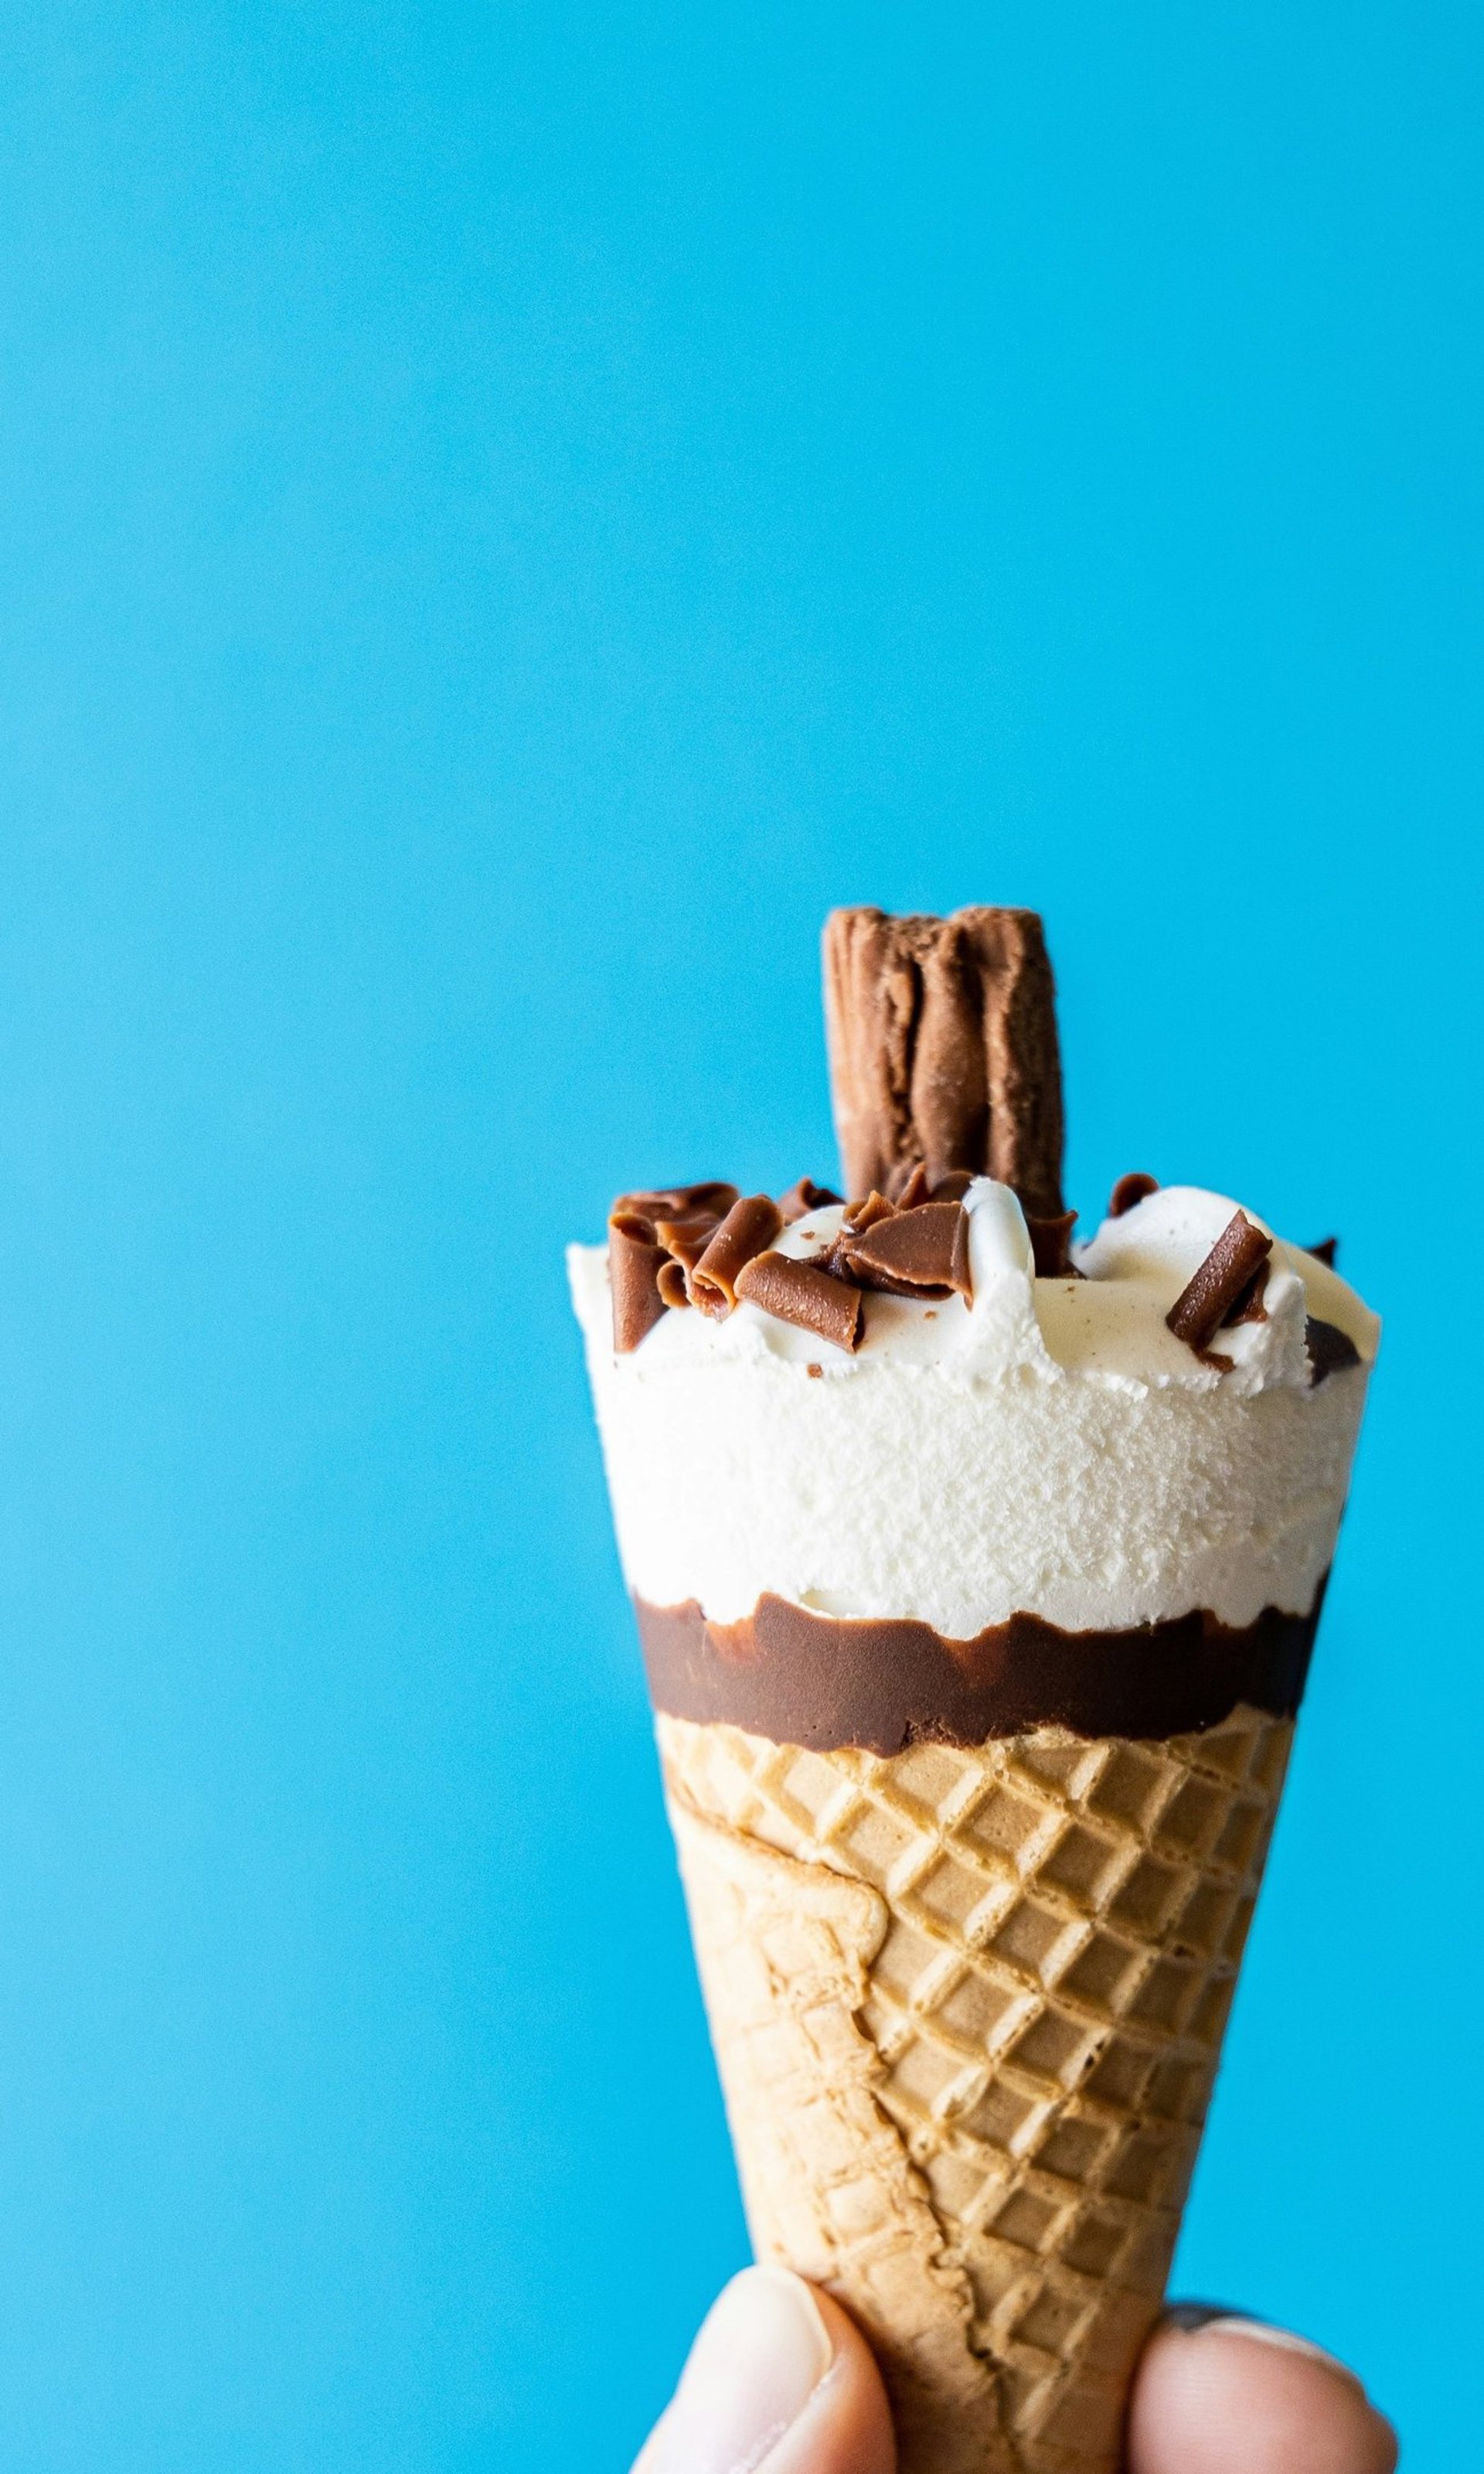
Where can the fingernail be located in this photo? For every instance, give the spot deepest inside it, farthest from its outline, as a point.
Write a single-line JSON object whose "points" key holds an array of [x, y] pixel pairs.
{"points": [[759, 2358], [1192, 2317], [1188, 2317]]}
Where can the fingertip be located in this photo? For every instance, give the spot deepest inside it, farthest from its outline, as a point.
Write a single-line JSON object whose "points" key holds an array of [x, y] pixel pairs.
{"points": [[1233, 2396], [779, 2380], [847, 2428]]}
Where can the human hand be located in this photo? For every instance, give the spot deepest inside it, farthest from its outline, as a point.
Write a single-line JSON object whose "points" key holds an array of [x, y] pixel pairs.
{"points": [[779, 2380]]}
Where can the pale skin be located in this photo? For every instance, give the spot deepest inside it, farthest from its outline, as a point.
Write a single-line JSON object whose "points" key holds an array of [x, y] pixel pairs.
{"points": [[779, 2380]]}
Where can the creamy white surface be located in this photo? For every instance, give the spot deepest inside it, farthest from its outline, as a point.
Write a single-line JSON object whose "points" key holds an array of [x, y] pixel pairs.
{"points": [[1052, 1449]]}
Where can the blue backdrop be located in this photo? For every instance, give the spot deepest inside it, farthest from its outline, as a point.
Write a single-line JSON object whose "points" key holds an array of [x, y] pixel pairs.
{"points": [[506, 514]]}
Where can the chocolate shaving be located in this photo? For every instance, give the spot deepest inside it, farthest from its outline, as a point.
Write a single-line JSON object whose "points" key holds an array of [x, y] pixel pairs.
{"points": [[861, 1216], [908, 1191], [858, 1218], [804, 1198], [642, 1266], [1198, 1312], [912, 1187], [803, 1294], [1051, 1239], [710, 1201], [1324, 1251], [1330, 1349], [943, 1049], [1249, 1306], [960, 1275], [672, 1284], [633, 1266], [747, 1227], [1133, 1188], [916, 1254], [687, 1240]]}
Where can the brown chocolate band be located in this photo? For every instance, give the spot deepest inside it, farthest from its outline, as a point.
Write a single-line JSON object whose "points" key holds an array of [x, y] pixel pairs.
{"points": [[827, 1681]]}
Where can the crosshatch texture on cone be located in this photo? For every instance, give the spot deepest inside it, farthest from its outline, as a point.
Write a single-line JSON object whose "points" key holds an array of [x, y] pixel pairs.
{"points": [[968, 2008]]}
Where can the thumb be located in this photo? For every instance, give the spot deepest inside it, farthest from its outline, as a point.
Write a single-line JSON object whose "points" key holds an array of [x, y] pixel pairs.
{"points": [[1218, 2394], [778, 2382]]}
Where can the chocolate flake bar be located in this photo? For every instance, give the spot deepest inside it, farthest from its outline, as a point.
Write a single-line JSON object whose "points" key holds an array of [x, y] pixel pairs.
{"points": [[942, 1048]]}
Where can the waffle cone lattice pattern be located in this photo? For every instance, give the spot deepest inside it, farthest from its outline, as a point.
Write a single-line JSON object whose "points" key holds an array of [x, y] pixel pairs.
{"points": [[968, 2008]]}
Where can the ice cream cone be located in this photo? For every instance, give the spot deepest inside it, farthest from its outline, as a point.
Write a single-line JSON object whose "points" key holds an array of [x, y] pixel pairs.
{"points": [[977, 1575], [967, 2007]]}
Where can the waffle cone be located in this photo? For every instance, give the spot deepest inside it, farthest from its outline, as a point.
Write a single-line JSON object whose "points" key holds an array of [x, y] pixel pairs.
{"points": [[967, 2008]]}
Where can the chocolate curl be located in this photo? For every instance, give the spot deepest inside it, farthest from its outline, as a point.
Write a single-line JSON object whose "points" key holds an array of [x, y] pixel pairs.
{"points": [[960, 1275], [861, 1216], [670, 1282], [642, 1265], [1133, 1188], [943, 1049], [916, 1254], [1324, 1251], [1330, 1350], [804, 1198], [1198, 1312], [1249, 1306], [908, 1191], [633, 1266], [858, 1218], [802, 1294], [681, 1202], [1051, 1239], [684, 1241], [747, 1227], [687, 1239]]}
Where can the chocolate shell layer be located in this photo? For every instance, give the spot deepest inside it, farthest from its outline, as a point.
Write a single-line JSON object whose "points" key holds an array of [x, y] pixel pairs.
{"points": [[827, 1681]]}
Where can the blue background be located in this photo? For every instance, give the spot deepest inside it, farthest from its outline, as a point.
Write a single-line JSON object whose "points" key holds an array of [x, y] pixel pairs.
{"points": [[506, 514]]}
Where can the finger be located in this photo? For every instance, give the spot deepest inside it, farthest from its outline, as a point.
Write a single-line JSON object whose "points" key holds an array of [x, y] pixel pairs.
{"points": [[779, 2381], [1233, 2396]]}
